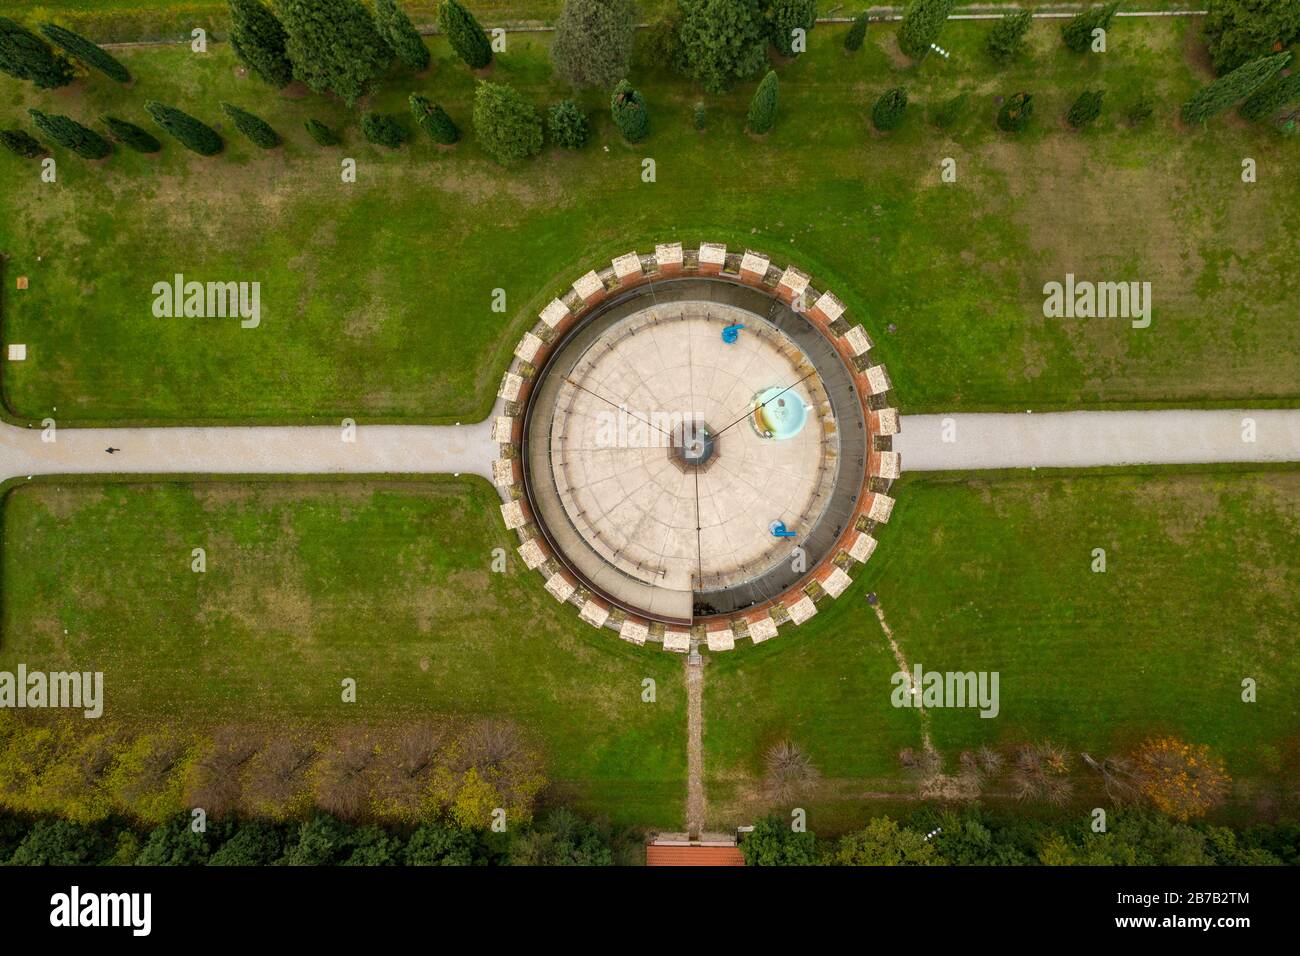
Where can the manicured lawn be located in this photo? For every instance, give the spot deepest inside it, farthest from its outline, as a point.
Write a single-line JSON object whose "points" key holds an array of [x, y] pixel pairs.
{"points": [[306, 584], [1201, 590], [376, 296]]}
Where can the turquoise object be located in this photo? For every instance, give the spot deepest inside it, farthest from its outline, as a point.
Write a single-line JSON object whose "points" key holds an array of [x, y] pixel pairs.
{"points": [[779, 413]]}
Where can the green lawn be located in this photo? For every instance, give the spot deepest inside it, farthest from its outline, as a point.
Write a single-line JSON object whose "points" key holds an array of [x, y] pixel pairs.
{"points": [[306, 584], [1201, 590], [376, 296]]}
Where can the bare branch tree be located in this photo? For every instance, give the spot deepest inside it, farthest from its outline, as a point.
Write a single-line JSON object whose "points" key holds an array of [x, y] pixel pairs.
{"points": [[790, 773]]}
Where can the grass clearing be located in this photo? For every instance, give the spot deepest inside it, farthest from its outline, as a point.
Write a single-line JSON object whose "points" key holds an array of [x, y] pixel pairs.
{"points": [[376, 296], [1201, 590], [309, 583]]}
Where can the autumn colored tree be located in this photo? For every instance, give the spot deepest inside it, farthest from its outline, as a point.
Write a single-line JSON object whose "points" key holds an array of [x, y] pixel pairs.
{"points": [[1180, 779]]}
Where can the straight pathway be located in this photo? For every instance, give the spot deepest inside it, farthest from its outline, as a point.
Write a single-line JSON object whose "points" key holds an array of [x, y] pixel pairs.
{"points": [[1097, 439], [979, 441], [307, 450]]}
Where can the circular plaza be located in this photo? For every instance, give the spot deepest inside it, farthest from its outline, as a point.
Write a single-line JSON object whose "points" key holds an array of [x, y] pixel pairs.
{"points": [[692, 452]]}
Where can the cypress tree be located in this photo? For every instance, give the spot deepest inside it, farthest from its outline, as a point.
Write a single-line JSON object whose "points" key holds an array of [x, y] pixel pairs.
{"points": [[1007, 39], [259, 39], [70, 134], [21, 144], [255, 128], [1086, 108], [465, 35], [434, 121], [762, 108], [1236, 86], [923, 21], [191, 133], [396, 29], [1271, 97], [628, 109], [1141, 110], [951, 111], [786, 16], [853, 40], [1077, 32], [889, 109], [507, 126], [131, 136], [384, 130], [334, 46], [567, 125], [1016, 112], [322, 134], [25, 55], [91, 54]]}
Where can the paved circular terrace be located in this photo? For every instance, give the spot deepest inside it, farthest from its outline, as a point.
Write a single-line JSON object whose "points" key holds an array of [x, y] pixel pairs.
{"points": [[695, 447], [657, 458]]}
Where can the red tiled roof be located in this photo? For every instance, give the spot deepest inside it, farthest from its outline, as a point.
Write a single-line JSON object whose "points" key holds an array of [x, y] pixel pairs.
{"points": [[660, 855]]}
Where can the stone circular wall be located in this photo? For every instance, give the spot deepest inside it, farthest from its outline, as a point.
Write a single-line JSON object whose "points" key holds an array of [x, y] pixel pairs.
{"points": [[642, 486]]}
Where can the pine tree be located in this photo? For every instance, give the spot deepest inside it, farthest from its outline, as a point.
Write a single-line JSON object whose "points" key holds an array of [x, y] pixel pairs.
{"points": [[786, 16], [762, 108], [384, 130], [1271, 97], [191, 133], [465, 34], [131, 136], [888, 112], [334, 46], [1016, 112], [396, 29], [259, 40], [506, 125], [593, 41], [25, 55], [567, 125], [923, 21], [70, 134], [21, 143], [628, 109], [721, 42], [1086, 108], [322, 134], [1007, 39], [91, 54], [255, 128], [1236, 86], [857, 34], [434, 121], [1077, 32]]}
